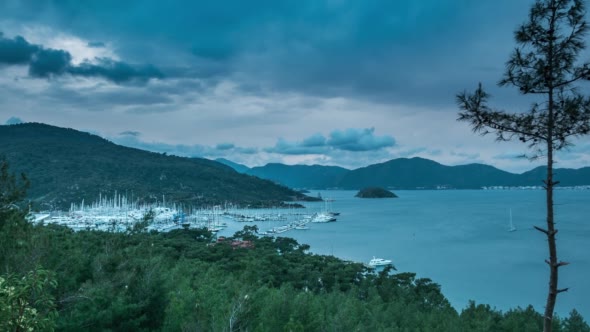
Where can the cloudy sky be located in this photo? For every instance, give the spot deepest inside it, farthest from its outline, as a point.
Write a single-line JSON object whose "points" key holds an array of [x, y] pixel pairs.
{"points": [[333, 82]]}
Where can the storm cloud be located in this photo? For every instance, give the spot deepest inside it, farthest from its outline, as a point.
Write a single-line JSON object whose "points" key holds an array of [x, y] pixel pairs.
{"points": [[381, 50], [195, 77], [351, 139], [16, 51], [47, 62], [359, 140]]}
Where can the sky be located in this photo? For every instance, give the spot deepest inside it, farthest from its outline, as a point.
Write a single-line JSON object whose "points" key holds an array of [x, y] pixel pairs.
{"points": [[332, 82]]}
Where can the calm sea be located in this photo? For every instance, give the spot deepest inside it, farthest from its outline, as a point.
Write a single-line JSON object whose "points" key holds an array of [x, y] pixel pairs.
{"points": [[460, 240]]}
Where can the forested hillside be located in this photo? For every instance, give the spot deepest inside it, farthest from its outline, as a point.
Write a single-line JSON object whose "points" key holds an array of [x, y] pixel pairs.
{"points": [[182, 281], [188, 280], [65, 165]]}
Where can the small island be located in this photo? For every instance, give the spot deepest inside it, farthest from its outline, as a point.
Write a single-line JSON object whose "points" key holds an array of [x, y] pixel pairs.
{"points": [[375, 192]]}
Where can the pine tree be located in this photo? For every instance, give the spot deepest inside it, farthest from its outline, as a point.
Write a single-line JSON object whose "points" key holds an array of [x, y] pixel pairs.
{"points": [[11, 192], [575, 323], [545, 64]]}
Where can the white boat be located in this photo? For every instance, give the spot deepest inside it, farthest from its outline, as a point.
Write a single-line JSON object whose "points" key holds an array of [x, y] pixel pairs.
{"points": [[511, 227], [328, 208], [214, 229], [379, 262], [322, 217]]}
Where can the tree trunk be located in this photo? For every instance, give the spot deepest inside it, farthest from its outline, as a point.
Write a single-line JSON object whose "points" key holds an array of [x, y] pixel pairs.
{"points": [[553, 265], [550, 231]]}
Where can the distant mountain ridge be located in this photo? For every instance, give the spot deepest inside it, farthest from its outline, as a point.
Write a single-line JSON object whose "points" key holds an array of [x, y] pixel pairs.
{"points": [[565, 176], [293, 176], [301, 176], [66, 165], [237, 167], [418, 173], [411, 173]]}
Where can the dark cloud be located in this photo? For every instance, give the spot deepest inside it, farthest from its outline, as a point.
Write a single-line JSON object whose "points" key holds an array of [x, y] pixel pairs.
{"points": [[508, 156], [102, 98], [16, 50], [116, 71], [46, 62], [225, 146], [359, 140], [279, 59], [130, 133], [410, 52], [351, 139], [314, 141], [230, 149], [13, 120], [295, 148], [49, 62]]}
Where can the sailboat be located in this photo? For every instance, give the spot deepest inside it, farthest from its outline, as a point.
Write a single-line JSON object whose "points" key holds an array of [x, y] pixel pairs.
{"points": [[511, 227]]}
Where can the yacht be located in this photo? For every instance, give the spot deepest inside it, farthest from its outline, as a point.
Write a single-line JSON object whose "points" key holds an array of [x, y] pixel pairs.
{"points": [[322, 217], [379, 262], [511, 227]]}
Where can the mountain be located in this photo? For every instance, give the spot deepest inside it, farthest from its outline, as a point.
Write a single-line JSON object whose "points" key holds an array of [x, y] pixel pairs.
{"points": [[414, 173], [237, 167], [65, 165], [565, 176], [404, 173], [410, 173], [301, 176]]}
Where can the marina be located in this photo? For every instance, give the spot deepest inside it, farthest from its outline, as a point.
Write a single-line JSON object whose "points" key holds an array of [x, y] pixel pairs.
{"points": [[461, 231], [118, 214]]}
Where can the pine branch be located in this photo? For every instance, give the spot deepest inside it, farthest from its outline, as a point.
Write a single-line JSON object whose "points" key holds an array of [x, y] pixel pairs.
{"points": [[481, 117], [541, 230], [581, 74]]}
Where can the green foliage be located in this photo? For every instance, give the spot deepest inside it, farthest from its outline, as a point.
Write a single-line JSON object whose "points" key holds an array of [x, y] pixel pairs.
{"points": [[68, 166], [375, 192], [544, 63], [181, 281], [480, 318], [575, 323], [184, 281], [142, 225], [12, 192], [26, 303], [523, 320]]}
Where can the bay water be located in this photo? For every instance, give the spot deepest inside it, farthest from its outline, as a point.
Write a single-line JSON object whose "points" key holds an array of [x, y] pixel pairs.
{"points": [[460, 240]]}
